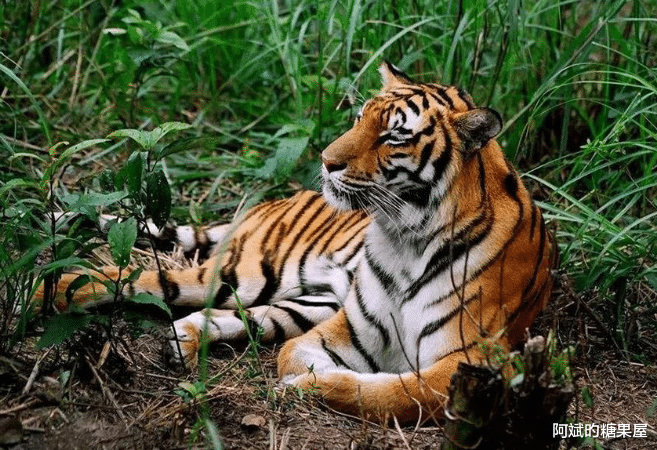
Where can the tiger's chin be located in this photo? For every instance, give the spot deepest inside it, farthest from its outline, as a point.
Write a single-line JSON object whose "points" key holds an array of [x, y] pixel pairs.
{"points": [[339, 200]]}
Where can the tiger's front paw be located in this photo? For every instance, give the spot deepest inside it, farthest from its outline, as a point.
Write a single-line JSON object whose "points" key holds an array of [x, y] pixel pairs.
{"points": [[181, 348], [305, 381]]}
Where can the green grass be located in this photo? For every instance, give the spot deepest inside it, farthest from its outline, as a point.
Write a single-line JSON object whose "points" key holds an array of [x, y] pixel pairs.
{"points": [[271, 83]]}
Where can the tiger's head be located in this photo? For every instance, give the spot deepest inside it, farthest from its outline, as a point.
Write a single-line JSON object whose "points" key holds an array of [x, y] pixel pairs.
{"points": [[406, 147]]}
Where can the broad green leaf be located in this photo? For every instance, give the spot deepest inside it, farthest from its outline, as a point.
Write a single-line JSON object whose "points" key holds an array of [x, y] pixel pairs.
{"points": [[148, 139], [652, 279], [268, 170], [132, 172], [185, 144], [18, 183], [88, 203], [110, 285], [143, 138], [134, 275], [287, 154], [106, 180], [93, 199], [121, 237], [158, 198], [79, 282], [62, 327], [304, 126], [167, 127], [73, 261], [66, 154], [145, 298], [169, 37]]}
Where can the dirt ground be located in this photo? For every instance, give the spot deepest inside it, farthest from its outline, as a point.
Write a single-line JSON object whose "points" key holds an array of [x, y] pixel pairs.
{"points": [[75, 398]]}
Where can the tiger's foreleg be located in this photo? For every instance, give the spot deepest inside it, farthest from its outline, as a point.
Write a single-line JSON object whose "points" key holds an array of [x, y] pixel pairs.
{"points": [[284, 319], [325, 360]]}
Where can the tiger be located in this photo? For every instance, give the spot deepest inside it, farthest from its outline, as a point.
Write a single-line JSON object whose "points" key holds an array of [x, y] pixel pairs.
{"points": [[423, 248]]}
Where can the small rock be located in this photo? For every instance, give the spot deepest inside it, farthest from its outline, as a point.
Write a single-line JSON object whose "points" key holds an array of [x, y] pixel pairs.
{"points": [[252, 422]]}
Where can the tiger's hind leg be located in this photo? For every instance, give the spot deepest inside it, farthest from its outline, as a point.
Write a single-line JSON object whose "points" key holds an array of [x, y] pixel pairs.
{"points": [[279, 321]]}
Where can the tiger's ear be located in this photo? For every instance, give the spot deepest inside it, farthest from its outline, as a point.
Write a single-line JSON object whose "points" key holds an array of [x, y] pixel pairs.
{"points": [[392, 76], [476, 127]]}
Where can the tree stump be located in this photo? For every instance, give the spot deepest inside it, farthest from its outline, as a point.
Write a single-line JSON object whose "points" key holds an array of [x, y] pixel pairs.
{"points": [[484, 412]]}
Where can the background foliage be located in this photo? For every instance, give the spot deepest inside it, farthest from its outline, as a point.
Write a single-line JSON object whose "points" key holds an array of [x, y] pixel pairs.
{"points": [[266, 84]]}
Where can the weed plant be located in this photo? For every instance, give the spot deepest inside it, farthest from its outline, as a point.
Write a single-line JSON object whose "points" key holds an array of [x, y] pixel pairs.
{"points": [[268, 84]]}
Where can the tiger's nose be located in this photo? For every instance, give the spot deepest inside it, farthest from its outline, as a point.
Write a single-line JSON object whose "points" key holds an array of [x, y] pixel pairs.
{"points": [[331, 165]]}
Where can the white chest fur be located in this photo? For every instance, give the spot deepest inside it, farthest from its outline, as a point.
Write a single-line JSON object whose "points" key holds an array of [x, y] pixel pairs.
{"points": [[401, 297]]}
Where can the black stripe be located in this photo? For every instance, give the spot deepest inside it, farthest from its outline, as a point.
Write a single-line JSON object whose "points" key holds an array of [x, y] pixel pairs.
{"points": [[420, 196], [202, 244], [436, 325], [355, 250], [391, 174], [449, 253], [252, 324], [425, 101], [279, 331], [271, 283], [424, 156], [303, 225], [490, 262], [398, 73], [535, 212], [511, 185], [440, 164], [374, 367], [337, 360], [269, 207], [429, 130], [386, 280], [528, 303], [337, 228], [227, 274], [370, 318], [446, 97], [275, 225], [303, 323], [314, 238], [401, 112], [411, 104], [362, 224], [170, 288], [438, 100], [539, 259], [327, 304], [482, 178], [465, 98], [201, 274], [320, 228], [229, 283]]}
